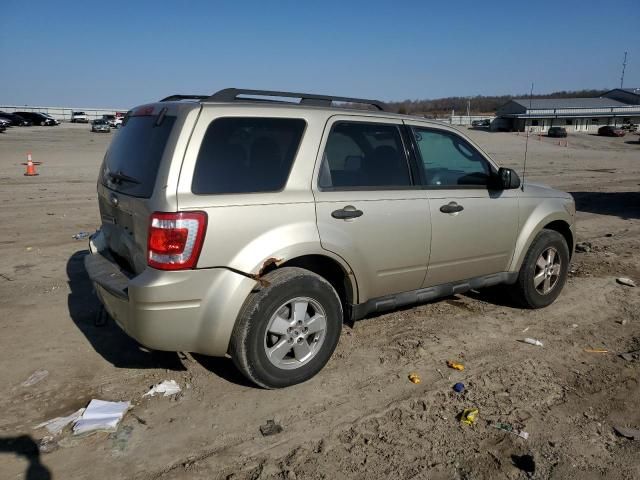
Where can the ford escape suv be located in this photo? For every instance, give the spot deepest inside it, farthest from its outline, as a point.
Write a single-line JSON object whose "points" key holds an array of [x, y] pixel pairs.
{"points": [[249, 224]]}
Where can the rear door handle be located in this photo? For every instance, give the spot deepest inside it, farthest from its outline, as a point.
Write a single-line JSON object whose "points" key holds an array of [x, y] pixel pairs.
{"points": [[347, 212], [451, 207]]}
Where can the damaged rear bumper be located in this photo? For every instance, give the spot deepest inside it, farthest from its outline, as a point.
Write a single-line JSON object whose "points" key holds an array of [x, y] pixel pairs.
{"points": [[191, 310]]}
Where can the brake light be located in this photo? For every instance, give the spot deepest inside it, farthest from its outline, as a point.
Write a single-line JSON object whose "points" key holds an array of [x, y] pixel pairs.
{"points": [[175, 239]]}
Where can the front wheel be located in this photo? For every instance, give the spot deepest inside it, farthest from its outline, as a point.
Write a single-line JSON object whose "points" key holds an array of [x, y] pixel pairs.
{"points": [[287, 331], [543, 272]]}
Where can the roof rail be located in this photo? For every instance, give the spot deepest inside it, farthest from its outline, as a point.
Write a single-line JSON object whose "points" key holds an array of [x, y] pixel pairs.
{"points": [[232, 94], [175, 98]]}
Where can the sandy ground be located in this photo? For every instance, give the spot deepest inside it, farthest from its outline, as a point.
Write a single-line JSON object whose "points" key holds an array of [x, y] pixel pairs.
{"points": [[360, 417]]}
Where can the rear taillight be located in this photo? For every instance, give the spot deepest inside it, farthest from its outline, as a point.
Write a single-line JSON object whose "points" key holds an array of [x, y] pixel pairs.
{"points": [[175, 239]]}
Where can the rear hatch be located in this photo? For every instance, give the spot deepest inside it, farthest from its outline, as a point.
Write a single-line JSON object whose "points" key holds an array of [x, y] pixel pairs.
{"points": [[127, 181]]}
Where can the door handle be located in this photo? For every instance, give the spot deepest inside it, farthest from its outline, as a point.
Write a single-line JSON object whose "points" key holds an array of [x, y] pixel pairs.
{"points": [[451, 207], [347, 212]]}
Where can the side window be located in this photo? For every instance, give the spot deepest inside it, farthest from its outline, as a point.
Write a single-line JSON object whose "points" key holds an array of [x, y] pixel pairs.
{"points": [[448, 160], [246, 155], [360, 155]]}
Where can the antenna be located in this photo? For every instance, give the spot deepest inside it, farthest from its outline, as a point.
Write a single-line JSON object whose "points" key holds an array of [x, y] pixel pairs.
{"points": [[526, 142], [624, 66]]}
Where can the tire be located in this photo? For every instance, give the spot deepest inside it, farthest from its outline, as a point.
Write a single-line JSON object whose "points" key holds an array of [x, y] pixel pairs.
{"points": [[251, 339], [528, 291]]}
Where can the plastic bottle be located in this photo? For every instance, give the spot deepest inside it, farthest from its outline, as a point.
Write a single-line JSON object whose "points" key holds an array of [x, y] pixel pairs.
{"points": [[533, 341]]}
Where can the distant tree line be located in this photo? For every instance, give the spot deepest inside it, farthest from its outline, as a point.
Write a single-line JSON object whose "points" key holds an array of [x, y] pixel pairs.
{"points": [[479, 104]]}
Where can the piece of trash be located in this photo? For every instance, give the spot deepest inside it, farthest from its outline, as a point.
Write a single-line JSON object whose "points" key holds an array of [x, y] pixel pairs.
{"points": [[505, 427], [583, 247], [47, 444], [414, 378], [632, 433], [440, 372], [524, 463], [630, 356], [56, 425], [101, 415], [270, 428], [455, 365], [626, 281], [80, 235], [168, 387], [574, 325], [469, 416], [35, 377], [533, 341], [622, 321], [523, 331], [596, 350], [458, 387]]}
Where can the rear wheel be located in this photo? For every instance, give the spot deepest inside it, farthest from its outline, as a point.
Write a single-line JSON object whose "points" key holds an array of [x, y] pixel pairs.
{"points": [[287, 331], [543, 272]]}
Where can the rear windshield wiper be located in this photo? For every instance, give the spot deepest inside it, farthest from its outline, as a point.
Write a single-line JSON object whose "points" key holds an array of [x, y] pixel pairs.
{"points": [[118, 177]]}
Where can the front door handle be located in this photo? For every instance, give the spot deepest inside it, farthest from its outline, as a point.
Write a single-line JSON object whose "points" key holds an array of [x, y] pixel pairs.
{"points": [[347, 212], [451, 207]]}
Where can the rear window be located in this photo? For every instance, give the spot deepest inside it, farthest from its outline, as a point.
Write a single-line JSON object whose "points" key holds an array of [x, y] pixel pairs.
{"points": [[246, 155], [131, 163]]}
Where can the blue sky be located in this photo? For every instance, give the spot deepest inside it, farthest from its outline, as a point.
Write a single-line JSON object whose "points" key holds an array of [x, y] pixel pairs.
{"points": [[118, 53]]}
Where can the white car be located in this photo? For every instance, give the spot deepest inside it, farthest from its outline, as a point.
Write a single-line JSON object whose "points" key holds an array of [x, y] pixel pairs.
{"points": [[79, 117]]}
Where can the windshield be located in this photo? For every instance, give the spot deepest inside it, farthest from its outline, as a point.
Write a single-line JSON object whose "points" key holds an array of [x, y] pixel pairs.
{"points": [[131, 164]]}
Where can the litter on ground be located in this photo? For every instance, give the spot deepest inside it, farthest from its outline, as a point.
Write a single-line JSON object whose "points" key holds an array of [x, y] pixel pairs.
{"points": [[35, 377], [414, 378], [533, 341], [469, 416], [626, 281], [56, 425], [505, 427], [455, 365], [270, 428], [168, 387], [101, 415], [632, 433]]}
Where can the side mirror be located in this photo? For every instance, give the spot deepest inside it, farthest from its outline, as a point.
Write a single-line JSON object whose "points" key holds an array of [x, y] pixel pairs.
{"points": [[506, 179]]}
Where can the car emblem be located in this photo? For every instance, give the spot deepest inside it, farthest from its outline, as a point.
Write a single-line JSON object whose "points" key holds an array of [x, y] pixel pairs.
{"points": [[113, 198]]}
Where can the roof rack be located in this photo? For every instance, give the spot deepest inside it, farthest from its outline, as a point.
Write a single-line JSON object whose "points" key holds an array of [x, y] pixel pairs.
{"points": [[233, 95], [176, 98]]}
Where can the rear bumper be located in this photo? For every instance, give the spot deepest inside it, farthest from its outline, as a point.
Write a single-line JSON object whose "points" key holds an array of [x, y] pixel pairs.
{"points": [[191, 310]]}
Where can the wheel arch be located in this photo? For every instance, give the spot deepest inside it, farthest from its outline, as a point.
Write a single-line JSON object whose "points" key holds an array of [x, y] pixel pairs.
{"points": [[556, 221], [330, 269]]}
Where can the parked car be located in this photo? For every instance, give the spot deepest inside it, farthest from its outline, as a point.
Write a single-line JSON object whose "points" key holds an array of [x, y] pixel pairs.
{"points": [[255, 228], [37, 118], [629, 127], [3, 126], [55, 121], [486, 123], [113, 120], [100, 125], [558, 132], [609, 131], [15, 120], [79, 117]]}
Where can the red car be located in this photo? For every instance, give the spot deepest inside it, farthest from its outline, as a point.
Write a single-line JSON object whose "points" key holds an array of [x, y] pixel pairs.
{"points": [[609, 131]]}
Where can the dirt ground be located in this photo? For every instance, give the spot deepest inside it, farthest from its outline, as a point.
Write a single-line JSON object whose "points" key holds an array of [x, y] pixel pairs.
{"points": [[360, 417]]}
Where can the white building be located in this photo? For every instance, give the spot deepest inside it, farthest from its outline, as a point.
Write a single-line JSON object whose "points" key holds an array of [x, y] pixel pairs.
{"points": [[616, 107]]}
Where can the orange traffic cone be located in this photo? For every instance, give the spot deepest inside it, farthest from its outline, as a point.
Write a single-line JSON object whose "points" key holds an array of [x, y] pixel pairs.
{"points": [[31, 167]]}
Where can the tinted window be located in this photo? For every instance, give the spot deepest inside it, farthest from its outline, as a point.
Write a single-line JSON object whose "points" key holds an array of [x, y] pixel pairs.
{"points": [[135, 152], [448, 160], [364, 155], [246, 155]]}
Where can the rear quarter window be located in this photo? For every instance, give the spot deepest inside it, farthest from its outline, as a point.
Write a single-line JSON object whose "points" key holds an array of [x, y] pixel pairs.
{"points": [[246, 155], [135, 152]]}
